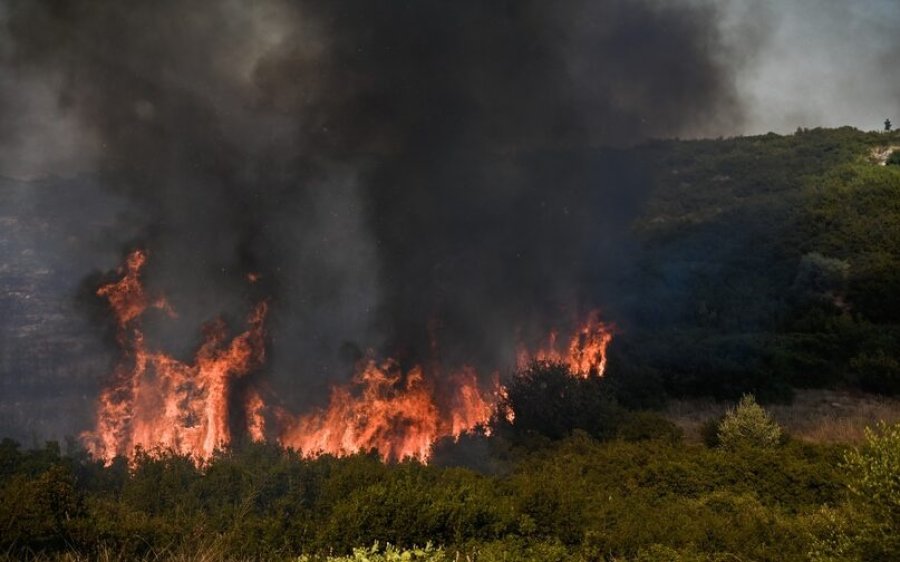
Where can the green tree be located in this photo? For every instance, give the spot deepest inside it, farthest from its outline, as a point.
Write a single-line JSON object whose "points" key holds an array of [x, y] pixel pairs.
{"points": [[547, 399], [748, 425]]}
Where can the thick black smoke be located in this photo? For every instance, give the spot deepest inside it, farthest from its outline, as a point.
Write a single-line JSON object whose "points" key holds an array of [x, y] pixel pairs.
{"points": [[393, 170]]}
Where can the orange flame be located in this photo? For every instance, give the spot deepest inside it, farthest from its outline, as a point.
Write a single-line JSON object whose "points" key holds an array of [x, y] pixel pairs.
{"points": [[585, 354], [396, 413], [158, 401]]}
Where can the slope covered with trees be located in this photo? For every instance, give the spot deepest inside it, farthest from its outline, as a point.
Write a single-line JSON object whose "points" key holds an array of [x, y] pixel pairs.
{"points": [[770, 262]]}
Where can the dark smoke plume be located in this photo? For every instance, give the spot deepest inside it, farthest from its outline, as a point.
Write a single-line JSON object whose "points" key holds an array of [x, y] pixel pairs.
{"points": [[393, 170]]}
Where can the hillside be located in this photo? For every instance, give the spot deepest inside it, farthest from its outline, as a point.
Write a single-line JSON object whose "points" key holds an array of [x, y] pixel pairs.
{"points": [[769, 262]]}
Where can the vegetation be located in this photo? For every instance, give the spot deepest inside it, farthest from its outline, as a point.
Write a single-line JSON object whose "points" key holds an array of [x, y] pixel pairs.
{"points": [[577, 498], [748, 425], [764, 264], [610, 494], [768, 263], [388, 554]]}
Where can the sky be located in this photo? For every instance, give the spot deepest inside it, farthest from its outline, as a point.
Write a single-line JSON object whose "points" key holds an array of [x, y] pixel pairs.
{"points": [[811, 63]]}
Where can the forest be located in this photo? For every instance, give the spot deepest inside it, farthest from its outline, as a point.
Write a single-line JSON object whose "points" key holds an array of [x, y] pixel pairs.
{"points": [[761, 267]]}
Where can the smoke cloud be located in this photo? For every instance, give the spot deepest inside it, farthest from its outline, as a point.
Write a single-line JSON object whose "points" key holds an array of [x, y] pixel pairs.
{"points": [[395, 172], [814, 63]]}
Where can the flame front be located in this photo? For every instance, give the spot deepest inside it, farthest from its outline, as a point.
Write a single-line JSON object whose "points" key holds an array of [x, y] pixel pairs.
{"points": [[156, 400], [396, 413], [585, 353]]}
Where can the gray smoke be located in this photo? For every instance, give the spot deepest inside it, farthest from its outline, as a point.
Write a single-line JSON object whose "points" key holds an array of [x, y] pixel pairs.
{"points": [[815, 63], [393, 170]]}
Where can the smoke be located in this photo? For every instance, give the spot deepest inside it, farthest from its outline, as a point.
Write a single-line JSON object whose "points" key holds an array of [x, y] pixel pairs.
{"points": [[816, 63], [395, 172]]}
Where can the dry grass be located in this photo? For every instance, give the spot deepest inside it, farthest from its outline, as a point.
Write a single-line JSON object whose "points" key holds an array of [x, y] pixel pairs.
{"points": [[820, 416]]}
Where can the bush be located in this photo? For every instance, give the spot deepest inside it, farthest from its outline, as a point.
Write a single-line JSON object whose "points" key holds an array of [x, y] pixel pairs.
{"points": [[748, 425], [643, 426], [709, 432], [876, 372], [547, 400], [874, 471], [866, 527], [390, 553], [820, 276]]}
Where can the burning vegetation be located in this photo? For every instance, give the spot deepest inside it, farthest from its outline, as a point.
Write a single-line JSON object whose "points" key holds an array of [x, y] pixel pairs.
{"points": [[156, 402]]}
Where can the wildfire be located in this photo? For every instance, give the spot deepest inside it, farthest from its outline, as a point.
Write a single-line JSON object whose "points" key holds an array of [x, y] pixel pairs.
{"points": [[396, 413], [156, 401], [585, 353]]}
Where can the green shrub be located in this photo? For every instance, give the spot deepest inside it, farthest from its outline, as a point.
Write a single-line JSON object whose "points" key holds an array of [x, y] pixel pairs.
{"points": [[662, 553], [819, 276], [709, 432], [874, 471], [748, 425], [389, 553], [876, 372], [512, 549], [547, 400], [643, 426]]}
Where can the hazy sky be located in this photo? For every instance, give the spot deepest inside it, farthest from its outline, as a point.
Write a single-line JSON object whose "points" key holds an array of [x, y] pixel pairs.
{"points": [[816, 62]]}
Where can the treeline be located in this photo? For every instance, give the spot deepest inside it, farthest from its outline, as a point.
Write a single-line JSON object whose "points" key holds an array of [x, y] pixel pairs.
{"points": [[596, 482]]}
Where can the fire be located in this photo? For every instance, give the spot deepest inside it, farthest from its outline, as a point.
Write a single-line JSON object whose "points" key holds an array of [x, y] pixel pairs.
{"points": [[585, 353], [394, 412], [156, 400]]}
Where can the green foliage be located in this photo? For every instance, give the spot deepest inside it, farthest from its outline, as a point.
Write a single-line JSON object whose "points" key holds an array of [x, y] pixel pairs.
{"points": [[765, 262], [709, 431], [876, 372], [866, 527], [875, 482], [547, 400], [836, 539], [642, 426], [662, 553], [389, 553], [819, 276], [40, 510], [515, 549], [576, 499], [748, 425], [635, 385]]}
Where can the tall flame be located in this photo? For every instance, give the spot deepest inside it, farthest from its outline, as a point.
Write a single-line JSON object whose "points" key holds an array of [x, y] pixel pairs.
{"points": [[585, 353], [156, 400]]}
